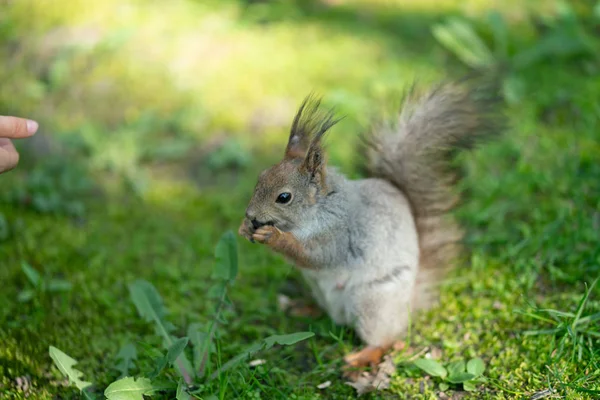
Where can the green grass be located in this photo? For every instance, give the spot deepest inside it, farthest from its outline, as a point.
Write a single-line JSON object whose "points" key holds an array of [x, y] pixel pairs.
{"points": [[156, 119]]}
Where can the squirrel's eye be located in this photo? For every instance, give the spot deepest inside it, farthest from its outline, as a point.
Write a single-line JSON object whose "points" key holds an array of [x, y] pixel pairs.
{"points": [[284, 197]]}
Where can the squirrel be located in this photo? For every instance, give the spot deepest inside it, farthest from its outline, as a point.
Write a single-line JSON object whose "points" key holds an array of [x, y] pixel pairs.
{"points": [[374, 250]]}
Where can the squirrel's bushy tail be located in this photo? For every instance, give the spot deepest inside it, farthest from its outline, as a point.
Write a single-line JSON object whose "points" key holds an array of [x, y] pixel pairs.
{"points": [[415, 153]]}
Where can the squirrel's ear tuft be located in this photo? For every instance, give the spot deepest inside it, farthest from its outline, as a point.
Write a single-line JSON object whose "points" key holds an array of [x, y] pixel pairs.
{"points": [[315, 161], [299, 137], [309, 125]]}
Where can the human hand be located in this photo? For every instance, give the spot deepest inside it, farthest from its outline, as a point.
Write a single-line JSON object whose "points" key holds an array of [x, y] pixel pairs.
{"points": [[13, 128]]}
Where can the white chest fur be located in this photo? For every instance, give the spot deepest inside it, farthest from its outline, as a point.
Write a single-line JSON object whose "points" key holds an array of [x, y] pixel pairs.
{"points": [[329, 290]]}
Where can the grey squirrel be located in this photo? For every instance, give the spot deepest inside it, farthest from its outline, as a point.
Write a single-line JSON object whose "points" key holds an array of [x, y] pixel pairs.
{"points": [[374, 250]]}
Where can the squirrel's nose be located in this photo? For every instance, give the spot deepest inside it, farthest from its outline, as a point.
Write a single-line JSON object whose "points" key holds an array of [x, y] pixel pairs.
{"points": [[256, 224]]}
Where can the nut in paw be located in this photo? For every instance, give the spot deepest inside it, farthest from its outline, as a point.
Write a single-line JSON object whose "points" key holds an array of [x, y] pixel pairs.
{"points": [[265, 234]]}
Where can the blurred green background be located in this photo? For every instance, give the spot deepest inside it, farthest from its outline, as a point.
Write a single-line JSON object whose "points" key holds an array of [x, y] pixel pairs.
{"points": [[157, 116]]}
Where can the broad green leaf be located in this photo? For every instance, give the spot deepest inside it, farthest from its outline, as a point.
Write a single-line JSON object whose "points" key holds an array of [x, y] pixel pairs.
{"points": [[59, 285], [172, 354], [456, 367], [460, 377], [65, 365], [226, 257], [33, 276], [197, 336], [444, 386], [176, 349], [161, 363], [469, 386], [287, 340], [150, 307], [125, 358], [130, 389], [182, 393], [476, 367], [431, 367]]}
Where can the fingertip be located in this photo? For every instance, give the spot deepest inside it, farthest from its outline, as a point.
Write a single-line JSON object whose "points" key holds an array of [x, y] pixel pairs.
{"points": [[32, 126]]}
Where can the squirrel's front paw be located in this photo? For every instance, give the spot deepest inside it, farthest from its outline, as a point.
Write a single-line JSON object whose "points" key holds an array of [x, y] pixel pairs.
{"points": [[265, 234]]}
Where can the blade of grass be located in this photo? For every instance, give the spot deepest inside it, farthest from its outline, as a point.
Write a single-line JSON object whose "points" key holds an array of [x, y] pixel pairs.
{"points": [[582, 303]]}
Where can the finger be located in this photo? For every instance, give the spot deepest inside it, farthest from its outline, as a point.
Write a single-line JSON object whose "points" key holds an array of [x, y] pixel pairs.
{"points": [[17, 128], [9, 158]]}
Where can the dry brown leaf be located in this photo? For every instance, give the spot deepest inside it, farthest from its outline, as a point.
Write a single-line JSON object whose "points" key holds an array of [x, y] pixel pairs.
{"points": [[368, 382], [387, 366]]}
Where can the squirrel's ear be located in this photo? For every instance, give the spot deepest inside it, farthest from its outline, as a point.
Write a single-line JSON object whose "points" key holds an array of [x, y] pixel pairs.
{"points": [[314, 163], [299, 136]]}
